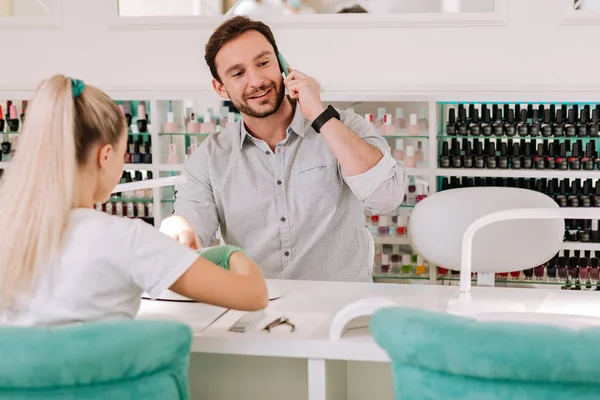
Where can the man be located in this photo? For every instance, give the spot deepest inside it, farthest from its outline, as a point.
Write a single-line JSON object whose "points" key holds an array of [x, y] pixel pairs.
{"points": [[288, 184]]}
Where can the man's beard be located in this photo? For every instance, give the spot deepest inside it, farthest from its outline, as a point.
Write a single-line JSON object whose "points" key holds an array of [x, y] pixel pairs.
{"points": [[246, 109]]}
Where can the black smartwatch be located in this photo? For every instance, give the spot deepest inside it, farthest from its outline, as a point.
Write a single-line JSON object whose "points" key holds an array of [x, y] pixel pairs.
{"points": [[325, 116]]}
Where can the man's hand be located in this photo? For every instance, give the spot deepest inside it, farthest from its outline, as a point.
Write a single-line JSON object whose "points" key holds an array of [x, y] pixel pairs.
{"points": [[308, 93], [179, 229]]}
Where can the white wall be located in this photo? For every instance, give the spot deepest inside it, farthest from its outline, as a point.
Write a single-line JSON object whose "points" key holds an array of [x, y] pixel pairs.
{"points": [[534, 51]]}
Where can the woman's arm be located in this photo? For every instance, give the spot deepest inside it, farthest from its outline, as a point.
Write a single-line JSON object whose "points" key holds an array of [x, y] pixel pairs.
{"points": [[242, 287]]}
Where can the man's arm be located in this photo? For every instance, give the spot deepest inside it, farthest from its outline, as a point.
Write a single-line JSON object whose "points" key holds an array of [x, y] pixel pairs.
{"points": [[194, 200]]}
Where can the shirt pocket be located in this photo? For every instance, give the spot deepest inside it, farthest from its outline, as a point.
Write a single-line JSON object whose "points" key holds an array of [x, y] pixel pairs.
{"points": [[319, 186]]}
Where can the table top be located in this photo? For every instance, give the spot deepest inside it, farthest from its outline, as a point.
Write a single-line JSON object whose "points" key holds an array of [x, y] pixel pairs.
{"points": [[311, 306]]}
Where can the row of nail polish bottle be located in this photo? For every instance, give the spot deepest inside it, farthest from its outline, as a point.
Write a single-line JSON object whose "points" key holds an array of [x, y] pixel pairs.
{"points": [[131, 204], [410, 156], [395, 126], [384, 225], [399, 263], [138, 150], [555, 121], [10, 122], [142, 118]]}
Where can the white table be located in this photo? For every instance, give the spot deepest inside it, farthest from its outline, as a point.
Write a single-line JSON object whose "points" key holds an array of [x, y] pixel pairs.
{"points": [[311, 307]]}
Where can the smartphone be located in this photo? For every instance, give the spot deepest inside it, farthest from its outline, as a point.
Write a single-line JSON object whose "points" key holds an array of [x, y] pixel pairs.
{"points": [[285, 67]]}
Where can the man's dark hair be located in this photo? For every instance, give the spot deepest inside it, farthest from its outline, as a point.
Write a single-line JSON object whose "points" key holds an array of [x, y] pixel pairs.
{"points": [[229, 30], [355, 9]]}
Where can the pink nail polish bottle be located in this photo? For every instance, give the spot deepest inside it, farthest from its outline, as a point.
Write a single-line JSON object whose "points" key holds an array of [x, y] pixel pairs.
{"points": [[409, 158], [369, 118], [398, 153], [413, 127], [170, 126], [378, 252], [173, 159], [423, 121], [207, 126], [13, 122], [419, 156], [387, 129], [379, 120], [193, 126], [399, 121]]}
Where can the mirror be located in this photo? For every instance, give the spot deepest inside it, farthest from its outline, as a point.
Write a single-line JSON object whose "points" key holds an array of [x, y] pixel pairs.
{"points": [[140, 8], [24, 8]]}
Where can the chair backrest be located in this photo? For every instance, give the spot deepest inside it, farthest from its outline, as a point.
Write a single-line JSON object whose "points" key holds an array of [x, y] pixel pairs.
{"points": [[96, 360], [443, 356], [437, 225]]}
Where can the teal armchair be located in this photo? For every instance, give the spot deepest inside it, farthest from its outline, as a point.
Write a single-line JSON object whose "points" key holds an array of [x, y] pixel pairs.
{"points": [[97, 360], [444, 356]]}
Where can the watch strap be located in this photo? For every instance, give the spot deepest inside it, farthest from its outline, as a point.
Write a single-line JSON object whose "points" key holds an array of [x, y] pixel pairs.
{"points": [[325, 116]]}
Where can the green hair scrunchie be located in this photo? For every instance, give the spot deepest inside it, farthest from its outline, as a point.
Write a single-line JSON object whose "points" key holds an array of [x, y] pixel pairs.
{"points": [[77, 87]]}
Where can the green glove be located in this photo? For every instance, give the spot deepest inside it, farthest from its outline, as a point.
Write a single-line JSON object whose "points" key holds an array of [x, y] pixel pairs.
{"points": [[219, 254]]}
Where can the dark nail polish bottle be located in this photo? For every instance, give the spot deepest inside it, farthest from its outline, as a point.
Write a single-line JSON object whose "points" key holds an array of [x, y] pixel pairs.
{"points": [[23, 111], [585, 199], [575, 159], [6, 148], [561, 197], [593, 125], [538, 272], [594, 232], [498, 127], [534, 126], [570, 128], [539, 161], [148, 152], [474, 126], [454, 182], [582, 126], [461, 125], [444, 185], [529, 113], [492, 162], [486, 127], [522, 128], [562, 270], [142, 119], [584, 231], [558, 128], [561, 160], [527, 159], [588, 161], [510, 128], [594, 272], [551, 269], [511, 182], [127, 155], [479, 158], [574, 268], [445, 157], [503, 158], [596, 195], [550, 157], [451, 125], [516, 161], [468, 157], [572, 234], [456, 158], [546, 128], [574, 191], [136, 157]]}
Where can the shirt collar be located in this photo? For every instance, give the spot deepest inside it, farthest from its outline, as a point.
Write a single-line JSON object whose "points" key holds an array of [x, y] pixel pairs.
{"points": [[298, 126]]}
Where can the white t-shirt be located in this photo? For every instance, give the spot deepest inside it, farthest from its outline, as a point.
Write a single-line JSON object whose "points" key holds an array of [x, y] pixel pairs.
{"points": [[105, 265]]}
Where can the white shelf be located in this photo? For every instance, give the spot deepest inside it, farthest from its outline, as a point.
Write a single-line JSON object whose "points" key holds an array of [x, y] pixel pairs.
{"points": [[417, 171], [138, 167], [580, 246], [391, 240], [169, 167], [516, 173]]}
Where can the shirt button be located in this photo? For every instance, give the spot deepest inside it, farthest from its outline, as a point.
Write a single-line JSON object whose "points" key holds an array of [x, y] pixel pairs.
{"points": [[287, 253], [279, 182], [267, 152], [282, 219]]}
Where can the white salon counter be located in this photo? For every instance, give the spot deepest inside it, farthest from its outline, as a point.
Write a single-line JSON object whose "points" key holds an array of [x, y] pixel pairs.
{"points": [[305, 363]]}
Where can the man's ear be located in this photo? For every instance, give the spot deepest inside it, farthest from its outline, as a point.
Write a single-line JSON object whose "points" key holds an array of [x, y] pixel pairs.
{"points": [[220, 89]]}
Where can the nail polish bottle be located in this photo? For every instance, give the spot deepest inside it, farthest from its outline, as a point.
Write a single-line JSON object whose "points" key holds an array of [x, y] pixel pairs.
{"points": [[486, 126], [503, 158], [539, 160], [575, 159], [401, 226], [550, 157], [173, 158], [516, 275], [596, 195], [551, 269], [561, 197], [562, 163], [419, 154], [208, 126], [23, 110], [409, 158], [462, 125], [369, 118], [407, 268], [148, 191], [498, 126], [522, 128], [510, 129], [396, 258], [588, 160], [468, 159], [384, 226], [136, 157], [570, 127], [374, 224], [572, 234], [538, 272], [546, 128], [398, 153], [147, 152], [456, 158], [413, 126], [442, 273], [574, 191], [573, 269], [139, 193], [385, 263], [474, 125], [451, 124], [142, 119], [128, 156], [421, 192], [492, 161], [423, 121], [585, 231], [421, 267], [479, 159], [502, 276], [193, 126], [593, 125], [562, 270], [387, 129], [594, 272], [399, 121], [558, 128], [534, 126], [1, 120], [13, 121], [170, 126], [582, 126], [411, 197], [585, 199], [527, 159]]}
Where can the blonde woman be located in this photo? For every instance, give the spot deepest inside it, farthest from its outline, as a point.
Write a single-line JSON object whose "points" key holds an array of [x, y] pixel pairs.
{"points": [[61, 261]]}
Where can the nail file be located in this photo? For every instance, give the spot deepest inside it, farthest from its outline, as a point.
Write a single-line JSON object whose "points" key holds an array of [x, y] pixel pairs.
{"points": [[247, 321]]}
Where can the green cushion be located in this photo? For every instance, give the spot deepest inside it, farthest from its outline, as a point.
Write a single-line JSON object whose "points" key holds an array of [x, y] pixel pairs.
{"points": [[443, 356], [96, 360], [219, 254]]}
